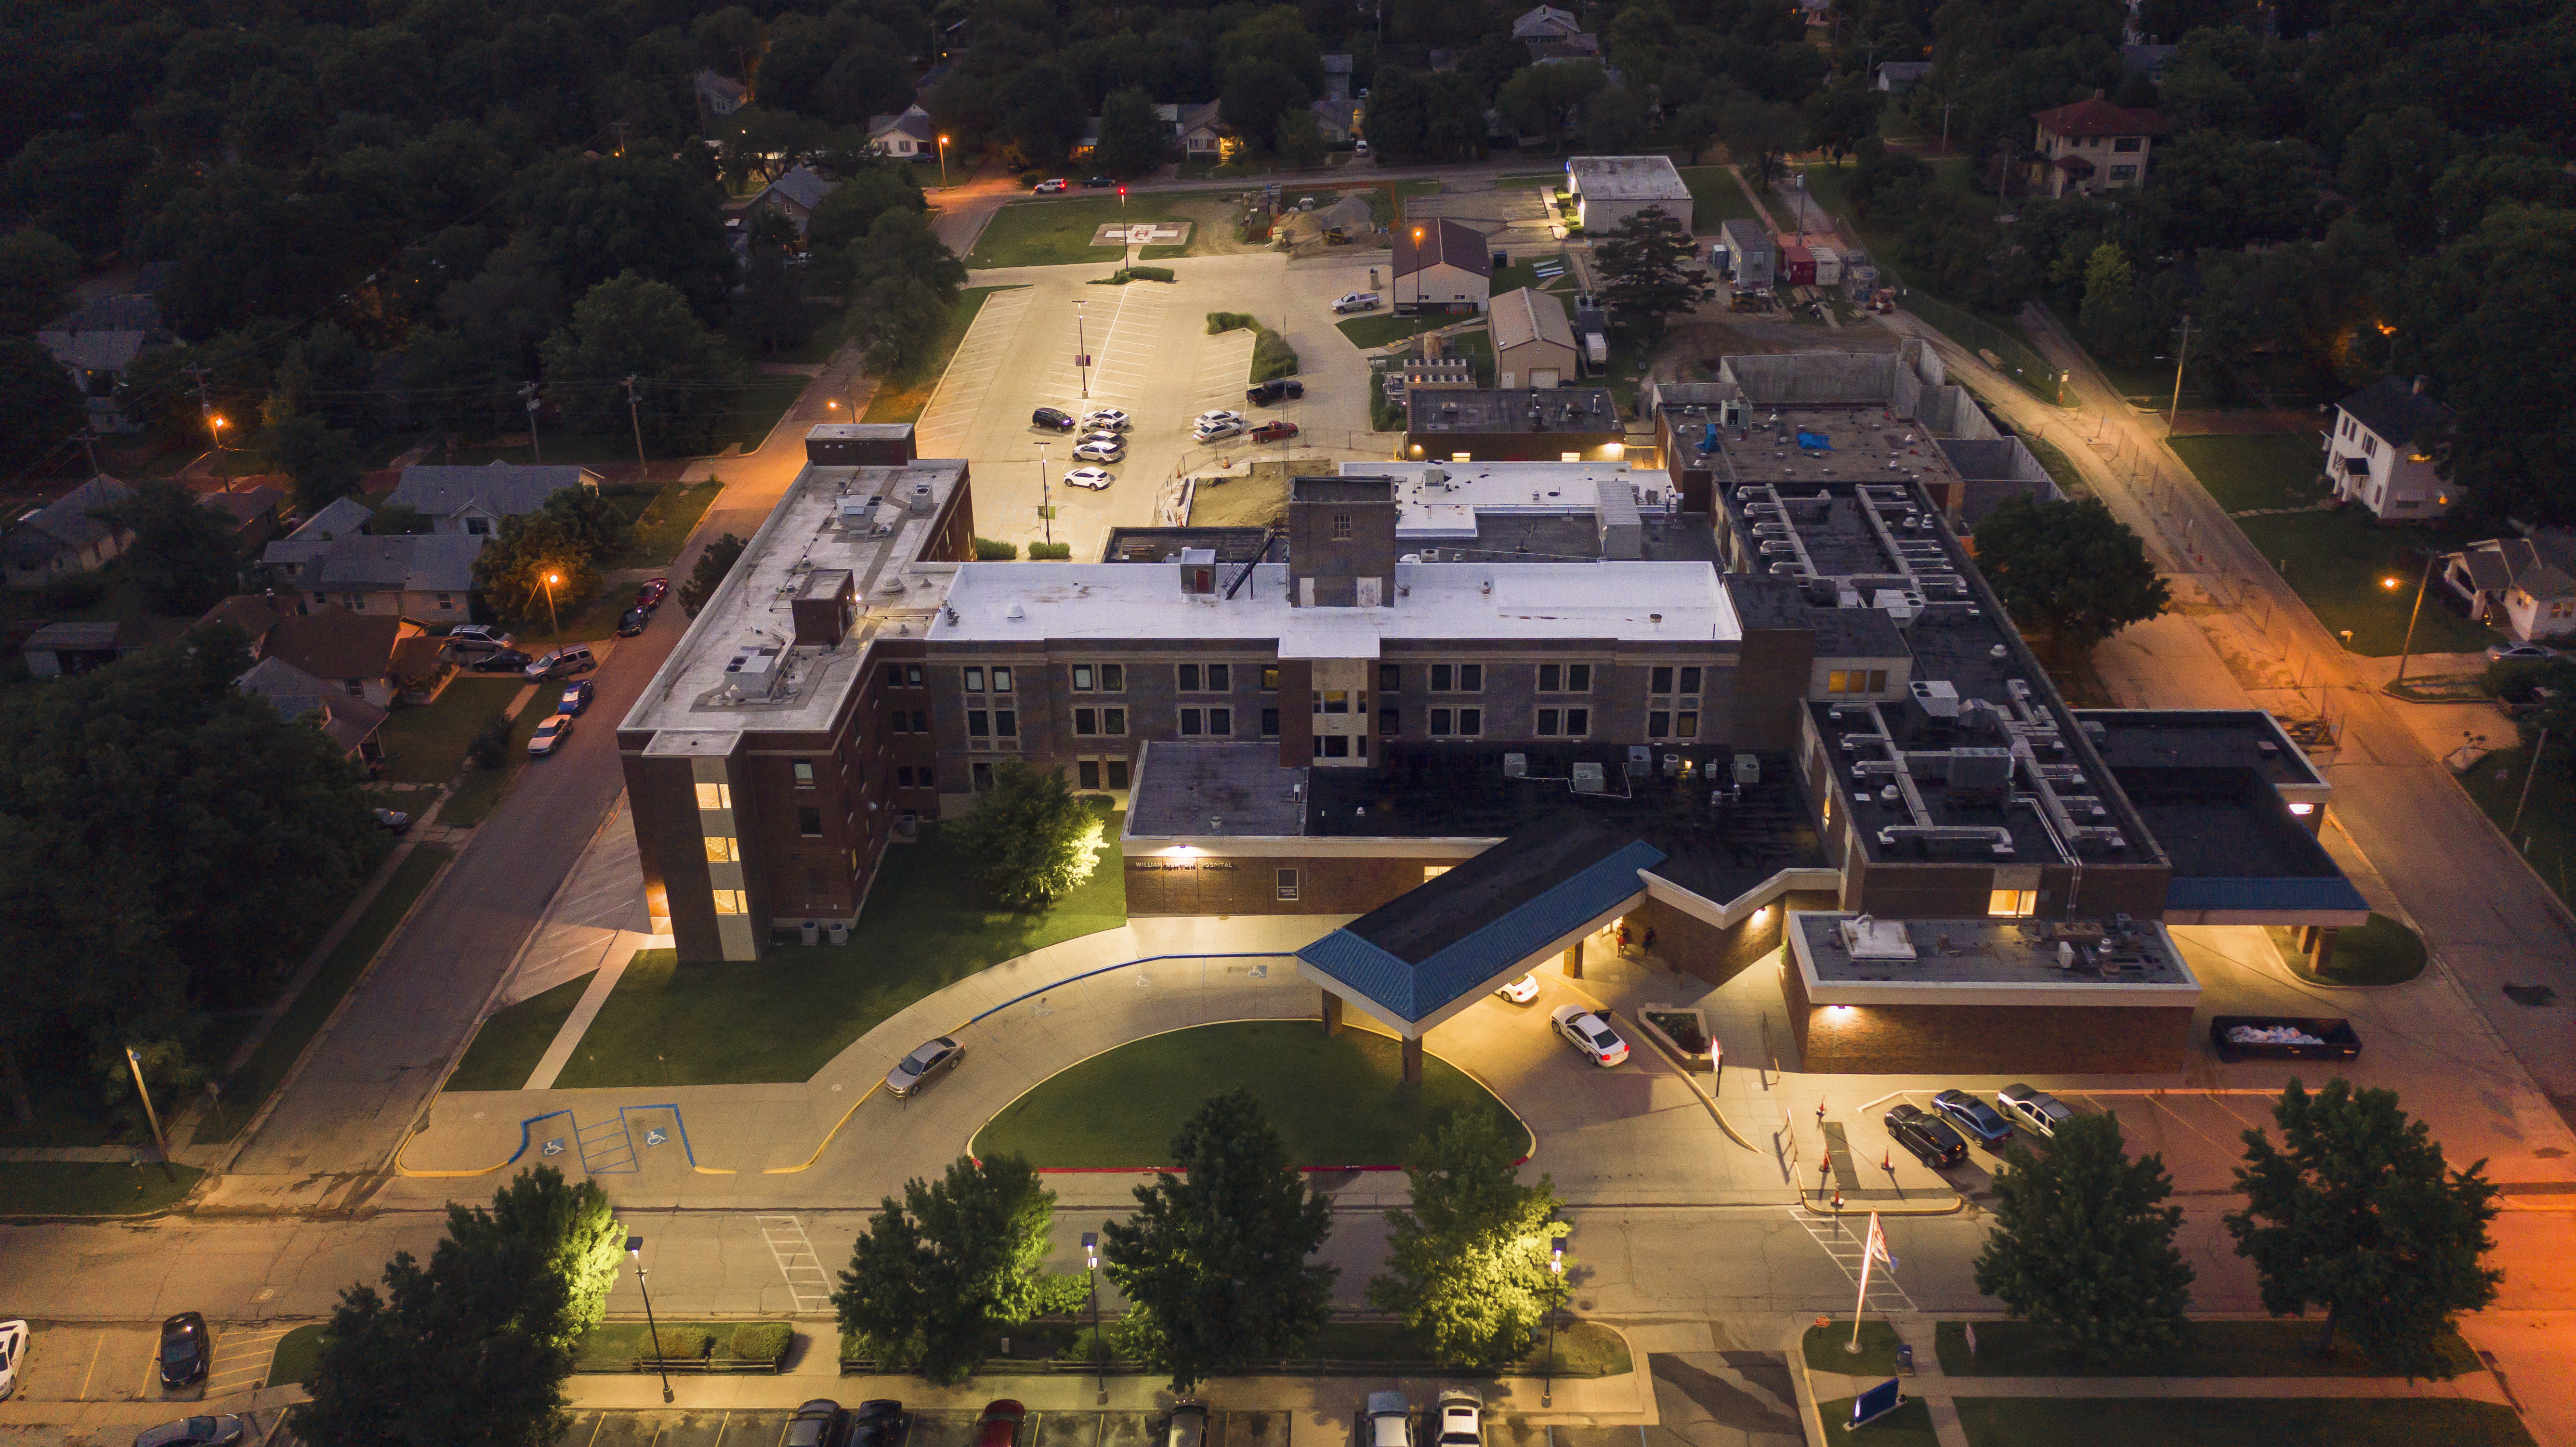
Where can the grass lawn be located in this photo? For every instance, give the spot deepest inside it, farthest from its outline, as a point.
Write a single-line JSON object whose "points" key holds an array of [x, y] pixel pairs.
{"points": [[249, 1086], [1824, 1345], [588, 621], [1524, 272], [903, 402], [2238, 1422], [2286, 1348], [2340, 563], [296, 1355], [2382, 952], [2548, 821], [1715, 198], [2150, 384], [1536, 181], [1058, 232], [91, 1188], [1338, 1100], [1907, 1426], [1379, 328], [663, 525], [926, 926], [2260, 469], [509, 1044], [2061, 469], [480, 791], [425, 743]]}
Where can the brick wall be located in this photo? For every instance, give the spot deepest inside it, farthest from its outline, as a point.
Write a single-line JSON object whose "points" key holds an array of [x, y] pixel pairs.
{"points": [[1985, 1039], [1719, 955], [1249, 884]]}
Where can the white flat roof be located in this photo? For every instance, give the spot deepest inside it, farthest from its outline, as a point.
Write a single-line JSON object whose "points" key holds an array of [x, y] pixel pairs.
{"points": [[1432, 513], [1627, 178], [1606, 599]]}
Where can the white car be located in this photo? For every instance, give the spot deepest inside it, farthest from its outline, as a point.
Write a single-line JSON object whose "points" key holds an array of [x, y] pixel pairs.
{"points": [[1210, 419], [1109, 418], [1211, 431], [2036, 1111], [1590, 1034], [1359, 146], [550, 735], [1103, 448], [1522, 990], [13, 1350], [1094, 478], [1462, 1419]]}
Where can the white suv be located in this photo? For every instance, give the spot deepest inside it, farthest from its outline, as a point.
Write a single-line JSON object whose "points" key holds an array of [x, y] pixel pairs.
{"points": [[1101, 447]]}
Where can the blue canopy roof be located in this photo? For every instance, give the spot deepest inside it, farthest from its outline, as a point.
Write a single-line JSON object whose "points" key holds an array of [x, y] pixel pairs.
{"points": [[2312, 894]]}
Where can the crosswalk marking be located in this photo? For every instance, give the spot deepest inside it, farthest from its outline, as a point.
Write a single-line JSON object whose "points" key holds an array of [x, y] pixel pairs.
{"points": [[808, 1284], [1841, 1240]]}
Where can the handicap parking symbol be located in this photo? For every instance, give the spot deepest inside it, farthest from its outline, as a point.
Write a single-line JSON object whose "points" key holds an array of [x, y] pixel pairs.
{"points": [[655, 1136], [553, 1147]]}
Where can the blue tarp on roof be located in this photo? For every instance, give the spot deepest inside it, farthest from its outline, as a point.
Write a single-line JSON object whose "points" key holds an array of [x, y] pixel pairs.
{"points": [[1814, 441], [2317, 894], [1416, 992]]}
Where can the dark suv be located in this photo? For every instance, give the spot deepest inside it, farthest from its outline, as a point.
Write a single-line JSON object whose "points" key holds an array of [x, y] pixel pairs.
{"points": [[816, 1424], [1275, 390], [1927, 1136], [1052, 419]]}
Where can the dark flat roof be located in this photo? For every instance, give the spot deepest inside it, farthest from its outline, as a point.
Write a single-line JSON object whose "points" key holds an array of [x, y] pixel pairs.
{"points": [[1995, 952], [2224, 822], [1163, 545], [1325, 487], [1523, 410], [2164, 738], [1421, 922], [1227, 788]]}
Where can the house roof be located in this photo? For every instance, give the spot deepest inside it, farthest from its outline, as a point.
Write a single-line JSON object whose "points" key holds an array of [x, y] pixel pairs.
{"points": [[802, 184], [1904, 69], [1201, 117], [94, 351], [2395, 410], [429, 563], [296, 693], [2095, 116], [2147, 58], [1444, 242], [252, 613], [503, 489], [1627, 178], [914, 122], [1523, 315], [1581, 45], [333, 642], [1338, 111], [1544, 20], [417, 658], [721, 86], [244, 506], [130, 312], [342, 517], [2538, 566], [68, 519]]}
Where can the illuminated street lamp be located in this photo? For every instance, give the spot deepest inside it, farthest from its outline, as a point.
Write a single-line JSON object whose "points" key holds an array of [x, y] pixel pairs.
{"points": [[551, 580], [635, 1253], [1091, 1268], [943, 160], [1556, 1298], [215, 425]]}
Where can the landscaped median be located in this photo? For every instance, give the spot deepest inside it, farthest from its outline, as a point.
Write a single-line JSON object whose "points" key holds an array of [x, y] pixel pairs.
{"points": [[1345, 1347], [685, 1346]]}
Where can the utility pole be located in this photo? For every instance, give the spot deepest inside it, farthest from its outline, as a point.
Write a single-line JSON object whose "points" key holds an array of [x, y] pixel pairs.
{"points": [[631, 422], [1946, 108], [2529, 771], [159, 1141], [529, 392], [2003, 179], [88, 440], [2421, 586], [2180, 353], [205, 409], [1046, 502]]}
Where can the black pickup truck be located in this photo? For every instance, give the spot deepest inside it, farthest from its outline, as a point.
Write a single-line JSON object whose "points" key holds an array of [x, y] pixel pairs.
{"points": [[1274, 390], [2272, 1037]]}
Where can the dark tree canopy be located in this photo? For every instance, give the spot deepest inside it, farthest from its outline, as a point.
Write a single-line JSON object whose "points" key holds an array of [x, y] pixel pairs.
{"points": [[1645, 279], [182, 556], [2083, 1245], [1032, 838], [955, 1259], [2068, 570]]}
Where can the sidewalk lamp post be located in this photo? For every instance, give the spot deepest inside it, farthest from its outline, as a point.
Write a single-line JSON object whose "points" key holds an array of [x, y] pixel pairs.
{"points": [[943, 162], [551, 622], [1091, 1269], [159, 1141], [1555, 1299], [635, 1253], [1081, 350], [2420, 585]]}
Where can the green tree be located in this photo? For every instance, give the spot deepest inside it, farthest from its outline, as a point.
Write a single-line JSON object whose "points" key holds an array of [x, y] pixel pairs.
{"points": [[43, 407], [1544, 97], [1217, 1254], [533, 568], [593, 218], [182, 556], [958, 1258], [1454, 124], [591, 520], [2068, 570], [321, 459], [2356, 1211], [901, 244], [1299, 140], [1399, 113], [1131, 134], [637, 327], [714, 561], [2083, 1245], [1467, 1261], [1759, 134], [1614, 121], [1031, 837], [1839, 116], [36, 276], [898, 322], [1644, 279], [1258, 91]]}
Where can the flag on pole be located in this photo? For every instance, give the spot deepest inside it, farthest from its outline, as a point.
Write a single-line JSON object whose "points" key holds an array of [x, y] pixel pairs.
{"points": [[1874, 1249], [1877, 1246]]}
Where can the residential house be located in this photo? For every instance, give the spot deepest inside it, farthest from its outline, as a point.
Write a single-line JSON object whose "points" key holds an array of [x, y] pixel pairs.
{"points": [[351, 722], [1443, 60], [2091, 147], [1544, 24], [721, 94], [1533, 340], [906, 136], [473, 500], [1337, 78], [350, 652], [421, 666], [2373, 457], [1337, 120], [96, 343], [2527, 585], [795, 195], [1198, 132], [60, 649], [1896, 77], [342, 517], [254, 512], [426, 577], [1441, 265], [65, 536]]}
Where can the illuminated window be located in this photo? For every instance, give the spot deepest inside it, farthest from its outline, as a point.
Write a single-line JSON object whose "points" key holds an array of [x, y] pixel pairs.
{"points": [[1431, 872], [722, 849], [729, 901], [804, 773], [2013, 903], [715, 796]]}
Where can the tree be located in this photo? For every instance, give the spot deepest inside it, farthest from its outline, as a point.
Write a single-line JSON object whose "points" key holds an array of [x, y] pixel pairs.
{"points": [[36, 276], [43, 407], [1399, 113], [1543, 97], [1643, 276], [321, 459], [1257, 93], [1758, 134], [1468, 1260], [1299, 140], [2083, 1245], [591, 521], [1217, 1255], [473, 1348], [2357, 1212], [182, 556], [1454, 126], [1614, 120], [636, 327], [1032, 838], [1131, 134], [958, 1258], [901, 244], [533, 568], [714, 561], [898, 321], [1839, 116], [591, 218], [2069, 570]]}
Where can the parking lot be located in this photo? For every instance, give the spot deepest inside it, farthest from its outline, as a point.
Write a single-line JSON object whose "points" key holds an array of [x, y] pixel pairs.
{"points": [[2198, 1132], [114, 1363]]}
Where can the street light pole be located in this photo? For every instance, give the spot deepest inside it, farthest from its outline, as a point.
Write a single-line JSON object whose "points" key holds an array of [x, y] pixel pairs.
{"points": [[632, 421], [2180, 353], [551, 622], [635, 1253], [529, 391], [1046, 501], [1091, 1268], [2420, 585], [943, 162], [159, 1141], [1081, 354], [1555, 1299]]}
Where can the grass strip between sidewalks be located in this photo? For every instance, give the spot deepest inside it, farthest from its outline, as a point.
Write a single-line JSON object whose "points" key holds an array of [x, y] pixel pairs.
{"points": [[2237, 1422], [2286, 1348], [513, 1039], [92, 1188]]}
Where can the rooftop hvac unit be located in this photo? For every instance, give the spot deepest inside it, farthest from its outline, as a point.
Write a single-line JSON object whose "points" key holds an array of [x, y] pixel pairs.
{"points": [[858, 514], [1641, 761], [1515, 766], [1938, 698], [1982, 770], [1748, 770], [1590, 779], [920, 499], [753, 668]]}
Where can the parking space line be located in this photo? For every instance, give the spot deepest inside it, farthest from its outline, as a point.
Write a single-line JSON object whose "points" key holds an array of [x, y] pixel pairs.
{"points": [[95, 1347]]}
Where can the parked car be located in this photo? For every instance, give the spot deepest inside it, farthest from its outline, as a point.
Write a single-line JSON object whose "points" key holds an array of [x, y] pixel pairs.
{"points": [[392, 821], [1462, 1419], [185, 1352], [816, 1424], [1211, 431], [2519, 653], [1973, 1118], [1275, 390], [13, 1350], [1050, 187], [550, 735], [1359, 145], [876, 1422], [1099, 183], [573, 658], [576, 698], [928, 1059], [633, 621], [1924, 1135], [1106, 419], [1052, 419], [1000, 1423], [2036, 1111], [649, 596], [1359, 301], [476, 638], [1390, 1420], [1590, 1034], [1187, 1426], [1274, 431], [1210, 419], [1092, 478], [223, 1431], [1102, 448], [1522, 990], [508, 660]]}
